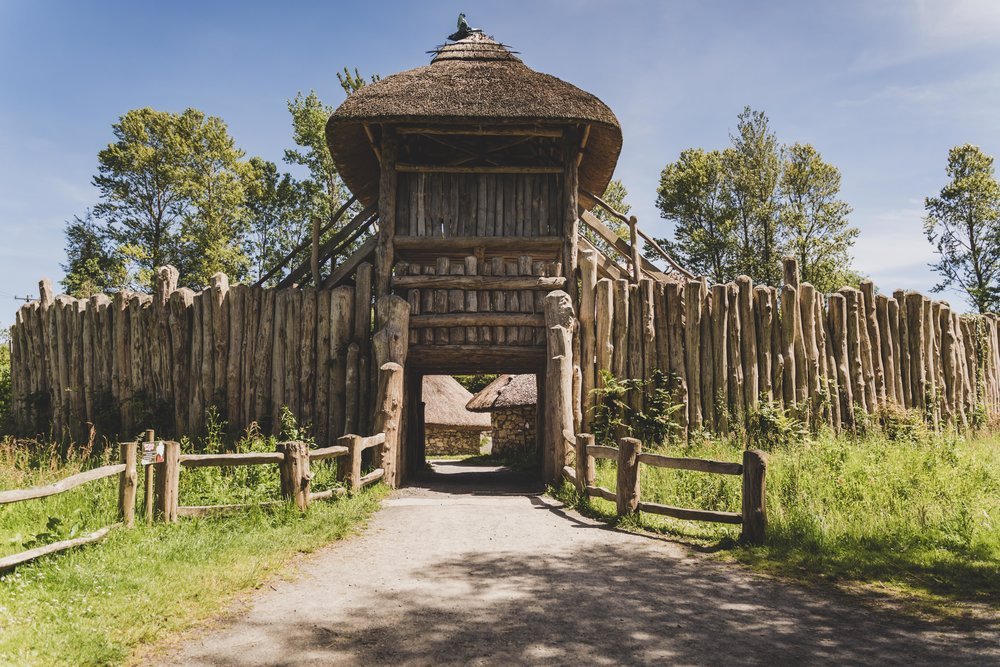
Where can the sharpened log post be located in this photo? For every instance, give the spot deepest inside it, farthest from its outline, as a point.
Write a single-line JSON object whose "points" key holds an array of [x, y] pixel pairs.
{"points": [[295, 475], [754, 508], [127, 482], [167, 481], [585, 472], [558, 410], [147, 482], [628, 476], [388, 415], [349, 471]]}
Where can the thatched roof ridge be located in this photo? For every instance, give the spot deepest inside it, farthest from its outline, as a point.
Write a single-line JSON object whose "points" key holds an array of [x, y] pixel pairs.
{"points": [[445, 401], [475, 81], [507, 391]]}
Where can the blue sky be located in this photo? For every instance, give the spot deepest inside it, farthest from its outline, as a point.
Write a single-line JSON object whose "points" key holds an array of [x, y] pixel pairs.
{"points": [[882, 89]]}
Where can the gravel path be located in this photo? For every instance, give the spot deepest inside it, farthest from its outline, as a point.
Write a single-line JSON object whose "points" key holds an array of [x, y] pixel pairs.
{"points": [[480, 569]]}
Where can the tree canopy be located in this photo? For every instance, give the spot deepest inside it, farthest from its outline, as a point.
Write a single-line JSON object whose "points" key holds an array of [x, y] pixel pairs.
{"points": [[740, 209], [174, 188], [963, 224]]}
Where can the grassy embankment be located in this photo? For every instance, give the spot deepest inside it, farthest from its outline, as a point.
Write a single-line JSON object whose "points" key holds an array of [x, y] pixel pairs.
{"points": [[97, 604], [916, 513]]}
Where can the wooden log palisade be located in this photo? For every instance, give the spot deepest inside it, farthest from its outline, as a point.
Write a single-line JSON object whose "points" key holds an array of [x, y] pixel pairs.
{"points": [[627, 494]]}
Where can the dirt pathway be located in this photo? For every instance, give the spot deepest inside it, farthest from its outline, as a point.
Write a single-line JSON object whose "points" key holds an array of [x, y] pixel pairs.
{"points": [[483, 570]]}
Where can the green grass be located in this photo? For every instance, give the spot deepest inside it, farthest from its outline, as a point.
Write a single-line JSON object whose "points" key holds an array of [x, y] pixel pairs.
{"points": [[98, 604], [920, 516]]}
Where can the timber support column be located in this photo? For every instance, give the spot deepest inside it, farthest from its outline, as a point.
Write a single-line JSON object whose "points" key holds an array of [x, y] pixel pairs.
{"points": [[571, 211], [559, 324], [384, 250]]}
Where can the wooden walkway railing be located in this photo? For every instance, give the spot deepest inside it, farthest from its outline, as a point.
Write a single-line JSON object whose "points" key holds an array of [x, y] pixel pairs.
{"points": [[162, 483], [628, 496]]}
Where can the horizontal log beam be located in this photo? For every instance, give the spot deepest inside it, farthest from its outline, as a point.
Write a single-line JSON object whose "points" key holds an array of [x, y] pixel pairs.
{"points": [[517, 245], [691, 515], [699, 465], [372, 441], [328, 494], [447, 169], [217, 460], [217, 510], [601, 492], [371, 477], [63, 485], [10, 562], [603, 452], [343, 271], [546, 284], [327, 452], [446, 359], [477, 320]]}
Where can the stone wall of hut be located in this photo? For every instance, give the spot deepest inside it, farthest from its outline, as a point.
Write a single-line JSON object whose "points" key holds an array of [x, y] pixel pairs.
{"points": [[444, 440], [513, 430]]}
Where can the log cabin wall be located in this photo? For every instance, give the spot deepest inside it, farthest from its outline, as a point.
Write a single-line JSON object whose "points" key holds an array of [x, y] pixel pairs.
{"points": [[452, 205]]}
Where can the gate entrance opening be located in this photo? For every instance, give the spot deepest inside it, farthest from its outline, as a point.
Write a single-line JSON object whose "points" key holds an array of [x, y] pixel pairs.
{"points": [[438, 422]]}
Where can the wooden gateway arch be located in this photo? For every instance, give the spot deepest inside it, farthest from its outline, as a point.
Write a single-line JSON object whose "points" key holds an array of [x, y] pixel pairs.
{"points": [[478, 171]]}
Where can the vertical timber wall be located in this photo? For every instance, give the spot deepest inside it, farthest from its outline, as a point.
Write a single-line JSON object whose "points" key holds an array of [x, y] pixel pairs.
{"points": [[123, 363], [825, 359]]}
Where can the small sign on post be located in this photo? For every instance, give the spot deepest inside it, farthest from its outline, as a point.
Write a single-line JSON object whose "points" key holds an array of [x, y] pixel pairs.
{"points": [[152, 452]]}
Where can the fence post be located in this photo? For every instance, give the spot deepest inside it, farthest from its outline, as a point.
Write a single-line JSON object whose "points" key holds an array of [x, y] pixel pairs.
{"points": [[295, 475], [628, 476], [147, 482], [167, 481], [389, 408], [127, 483], [754, 508], [349, 470], [585, 473]]}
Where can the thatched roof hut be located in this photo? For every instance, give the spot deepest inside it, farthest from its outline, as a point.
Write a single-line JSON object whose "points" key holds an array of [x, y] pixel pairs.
{"points": [[507, 391], [445, 401], [474, 81]]}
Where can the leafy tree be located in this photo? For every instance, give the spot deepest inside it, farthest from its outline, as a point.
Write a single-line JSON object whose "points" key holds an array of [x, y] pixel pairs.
{"points": [[353, 82], [753, 170], [963, 224], [143, 189], [813, 220], [171, 192], [91, 266], [323, 191], [693, 194], [738, 210], [275, 221], [215, 219]]}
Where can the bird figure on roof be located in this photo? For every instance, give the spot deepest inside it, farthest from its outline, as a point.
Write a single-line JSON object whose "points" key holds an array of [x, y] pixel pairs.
{"points": [[463, 29]]}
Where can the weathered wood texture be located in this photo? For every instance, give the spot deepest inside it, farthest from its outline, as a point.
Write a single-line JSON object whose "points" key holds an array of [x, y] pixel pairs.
{"points": [[824, 358], [135, 361], [138, 361]]}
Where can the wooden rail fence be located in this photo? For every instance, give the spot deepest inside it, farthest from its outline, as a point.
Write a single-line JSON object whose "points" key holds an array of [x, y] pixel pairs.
{"points": [[627, 495], [162, 483]]}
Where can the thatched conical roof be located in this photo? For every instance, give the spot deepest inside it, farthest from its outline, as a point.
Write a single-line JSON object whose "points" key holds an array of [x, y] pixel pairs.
{"points": [[445, 401], [507, 391], [474, 81]]}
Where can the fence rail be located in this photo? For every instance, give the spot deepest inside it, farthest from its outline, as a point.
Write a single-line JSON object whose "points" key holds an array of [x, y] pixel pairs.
{"points": [[162, 484], [628, 493]]}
